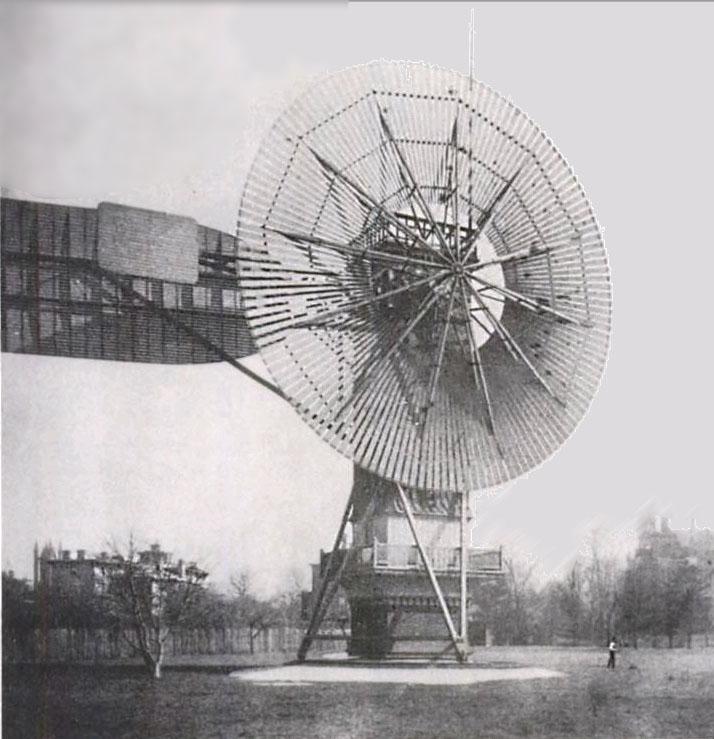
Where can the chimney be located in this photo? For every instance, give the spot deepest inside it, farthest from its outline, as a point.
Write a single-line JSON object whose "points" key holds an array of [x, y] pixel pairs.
{"points": [[80, 554], [66, 554]]}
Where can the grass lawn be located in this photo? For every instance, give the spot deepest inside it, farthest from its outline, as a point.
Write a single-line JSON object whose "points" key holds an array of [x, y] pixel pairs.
{"points": [[658, 693]]}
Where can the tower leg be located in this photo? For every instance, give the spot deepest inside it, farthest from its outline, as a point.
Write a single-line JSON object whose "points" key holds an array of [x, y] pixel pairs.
{"points": [[318, 612], [459, 647], [464, 563], [331, 580]]}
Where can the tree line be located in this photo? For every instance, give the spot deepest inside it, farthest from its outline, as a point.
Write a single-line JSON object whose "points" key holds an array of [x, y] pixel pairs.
{"points": [[661, 593], [654, 595], [143, 598]]}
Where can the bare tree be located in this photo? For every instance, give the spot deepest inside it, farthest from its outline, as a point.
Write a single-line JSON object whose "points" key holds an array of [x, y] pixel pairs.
{"points": [[150, 596], [288, 603], [519, 601], [570, 598], [600, 579], [680, 598], [257, 614], [698, 616]]}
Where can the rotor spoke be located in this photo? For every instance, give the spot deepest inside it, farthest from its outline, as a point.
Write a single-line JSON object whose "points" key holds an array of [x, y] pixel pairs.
{"points": [[407, 197], [512, 257], [477, 369], [529, 303], [483, 219], [415, 186], [376, 204], [364, 253], [448, 178], [455, 189], [440, 354], [451, 190], [423, 309], [511, 343], [410, 191], [349, 307]]}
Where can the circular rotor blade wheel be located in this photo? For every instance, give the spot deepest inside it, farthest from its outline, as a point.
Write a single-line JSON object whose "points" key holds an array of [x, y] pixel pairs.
{"points": [[424, 276]]}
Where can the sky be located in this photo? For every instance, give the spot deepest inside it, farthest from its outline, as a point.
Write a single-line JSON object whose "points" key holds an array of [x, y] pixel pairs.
{"points": [[163, 106]]}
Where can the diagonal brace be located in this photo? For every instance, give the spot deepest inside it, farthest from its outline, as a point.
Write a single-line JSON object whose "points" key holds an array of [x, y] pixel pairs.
{"points": [[458, 644], [168, 316], [330, 584]]}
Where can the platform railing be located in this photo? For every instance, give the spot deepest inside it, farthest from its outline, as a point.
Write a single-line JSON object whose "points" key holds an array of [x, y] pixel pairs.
{"points": [[380, 556], [443, 559]]}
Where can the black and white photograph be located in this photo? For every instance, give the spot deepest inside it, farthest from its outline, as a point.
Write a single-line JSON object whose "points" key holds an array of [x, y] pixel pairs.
{"points": [[356, 369]]}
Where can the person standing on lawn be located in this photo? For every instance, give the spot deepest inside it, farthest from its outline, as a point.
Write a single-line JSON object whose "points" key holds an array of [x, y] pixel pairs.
{"points": [[613, 649]]}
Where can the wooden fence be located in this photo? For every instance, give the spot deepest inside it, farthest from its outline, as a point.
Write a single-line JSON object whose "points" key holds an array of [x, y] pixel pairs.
{"points": [[98, 645]]}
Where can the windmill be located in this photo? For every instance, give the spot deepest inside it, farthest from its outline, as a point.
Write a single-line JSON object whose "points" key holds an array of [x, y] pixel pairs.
{"points": [[416, 265], [426, 283]]}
